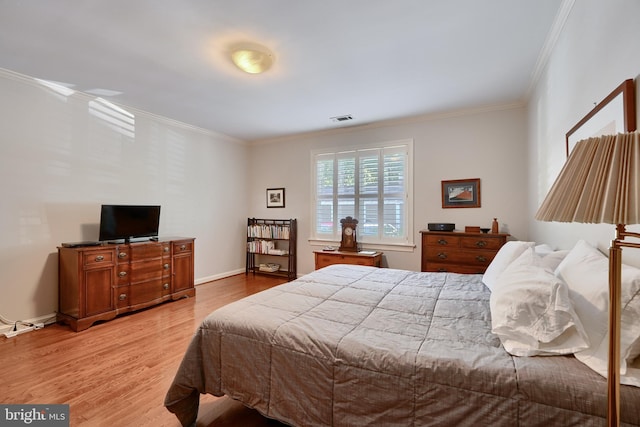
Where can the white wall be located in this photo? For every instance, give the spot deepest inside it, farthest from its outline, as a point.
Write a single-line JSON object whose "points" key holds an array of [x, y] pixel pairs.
{"points": [[490, 145], [58, 164], [598, 49]]}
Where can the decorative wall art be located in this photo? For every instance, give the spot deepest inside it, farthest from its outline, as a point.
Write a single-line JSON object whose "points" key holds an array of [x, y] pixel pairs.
{"points": [[275, 197], [615, 114], [461, 193]]}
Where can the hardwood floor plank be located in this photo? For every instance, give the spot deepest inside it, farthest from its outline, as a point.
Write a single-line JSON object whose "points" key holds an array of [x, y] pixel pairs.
{"points": [[117, 373]]}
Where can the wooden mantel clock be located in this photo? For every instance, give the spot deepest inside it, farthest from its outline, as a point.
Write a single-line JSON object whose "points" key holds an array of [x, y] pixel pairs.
{"points": [[349, 242]]}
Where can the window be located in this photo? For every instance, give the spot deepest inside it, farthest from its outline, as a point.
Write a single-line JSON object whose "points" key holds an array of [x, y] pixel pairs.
{"points": [[372, 184]]}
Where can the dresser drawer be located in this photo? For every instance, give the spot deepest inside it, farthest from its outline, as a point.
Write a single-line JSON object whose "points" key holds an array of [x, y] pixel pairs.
{"points": [[480, 243], [122, 274], [122, 253], [150, 269], [324, 259], [144, 292], [122, 296], [443, 255], [435, 267], [180, 247], [443, 240], [98, 258], [146, 251]]}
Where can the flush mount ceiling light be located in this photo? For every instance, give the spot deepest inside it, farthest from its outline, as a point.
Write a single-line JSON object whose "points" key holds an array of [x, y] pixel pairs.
{"points": [[251, 58]]}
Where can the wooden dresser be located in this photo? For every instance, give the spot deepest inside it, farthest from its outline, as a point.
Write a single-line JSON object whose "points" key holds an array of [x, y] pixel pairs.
{"points": [[325, 258], [457, 252], [100, 282]]}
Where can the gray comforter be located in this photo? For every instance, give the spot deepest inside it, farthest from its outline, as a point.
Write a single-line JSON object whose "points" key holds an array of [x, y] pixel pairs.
{"points": [[353, 345]]}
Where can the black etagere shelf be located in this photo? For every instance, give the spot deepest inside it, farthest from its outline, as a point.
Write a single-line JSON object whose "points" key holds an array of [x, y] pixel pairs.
{"points": [[269, 243]]}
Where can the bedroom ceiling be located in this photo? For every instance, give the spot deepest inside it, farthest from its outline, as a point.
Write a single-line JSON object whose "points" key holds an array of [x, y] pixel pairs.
{"points": [[374, 60]]}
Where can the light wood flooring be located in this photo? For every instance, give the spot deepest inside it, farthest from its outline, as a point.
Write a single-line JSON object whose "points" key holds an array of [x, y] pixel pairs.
{"points": [[116, 373]]}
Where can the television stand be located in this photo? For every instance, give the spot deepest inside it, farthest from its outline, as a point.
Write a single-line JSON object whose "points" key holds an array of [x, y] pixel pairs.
{"points": [[100, 282]]}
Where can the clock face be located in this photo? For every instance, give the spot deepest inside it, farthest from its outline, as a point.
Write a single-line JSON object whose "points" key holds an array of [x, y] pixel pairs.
{"points": [[348, 231]]}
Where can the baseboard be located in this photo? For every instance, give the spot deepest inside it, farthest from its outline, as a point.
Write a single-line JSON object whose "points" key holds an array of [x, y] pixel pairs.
{"points": [[51, 318], [202, 280]]}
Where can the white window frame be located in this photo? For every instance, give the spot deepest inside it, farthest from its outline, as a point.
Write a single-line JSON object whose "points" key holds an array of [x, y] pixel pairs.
{"points": [[406, 243]]}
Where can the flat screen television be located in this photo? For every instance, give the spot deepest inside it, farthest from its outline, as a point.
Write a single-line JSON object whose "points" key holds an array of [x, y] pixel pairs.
{"points": [[128, 222]]}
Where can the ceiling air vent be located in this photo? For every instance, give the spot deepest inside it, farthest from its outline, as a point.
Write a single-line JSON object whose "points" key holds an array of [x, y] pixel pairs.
{"points": [[340, 119]]}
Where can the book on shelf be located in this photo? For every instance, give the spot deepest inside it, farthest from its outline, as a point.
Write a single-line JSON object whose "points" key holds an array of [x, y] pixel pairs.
{"points": [[266, 247], [268, 231], [261, 246]]}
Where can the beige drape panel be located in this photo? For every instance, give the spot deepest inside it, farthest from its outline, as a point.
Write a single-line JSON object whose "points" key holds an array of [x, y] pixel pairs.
{"points": [[599, 183]]}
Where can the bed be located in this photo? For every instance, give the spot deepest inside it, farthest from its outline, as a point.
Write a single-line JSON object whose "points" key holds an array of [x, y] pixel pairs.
{"points": [[354, 345]]}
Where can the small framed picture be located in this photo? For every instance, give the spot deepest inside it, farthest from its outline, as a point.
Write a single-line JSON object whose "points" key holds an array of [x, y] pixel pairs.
{"points": [[461, 193], [275, 197]]}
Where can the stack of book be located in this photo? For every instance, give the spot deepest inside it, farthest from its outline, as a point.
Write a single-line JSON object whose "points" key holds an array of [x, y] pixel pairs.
{"points": [[269, 267], [278, 252]]}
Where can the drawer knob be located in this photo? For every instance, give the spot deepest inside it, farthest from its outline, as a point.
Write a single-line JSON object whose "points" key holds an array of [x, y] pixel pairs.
{"points": [[443, 242], [122, 274], [122, 297], [442, 255], [166, 266], [165, 286], [481, 243], [481, 258], [122, 255], [100, 258], [183, 247], [166, 249]]}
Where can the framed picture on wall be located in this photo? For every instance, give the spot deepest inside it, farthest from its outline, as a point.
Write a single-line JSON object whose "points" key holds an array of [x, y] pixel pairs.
{"points": [[461, 193], [615, 114], [275, 197]]}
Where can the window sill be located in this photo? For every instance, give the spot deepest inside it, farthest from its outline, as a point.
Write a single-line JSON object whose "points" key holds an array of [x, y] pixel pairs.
{"points": [[383, 247]]}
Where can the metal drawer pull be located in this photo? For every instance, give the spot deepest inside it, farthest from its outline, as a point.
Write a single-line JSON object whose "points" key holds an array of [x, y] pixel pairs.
{"points": [[122, 255], [122, 297], [481, 258], [443, 242], [166, 248], [442, 255], [183, 247], [442, 270], [122, 273], [165, 286], [481, 243], [100, 258], [166, 266]]}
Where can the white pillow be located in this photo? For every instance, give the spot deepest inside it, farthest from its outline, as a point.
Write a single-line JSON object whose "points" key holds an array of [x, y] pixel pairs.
{"points": [[552, 260], [531, 311], [586, 272], [507, 254], [543, 249]]}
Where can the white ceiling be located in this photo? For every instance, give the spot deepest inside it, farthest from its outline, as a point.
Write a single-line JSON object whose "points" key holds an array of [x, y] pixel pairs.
{"points": [[373, 59]]}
